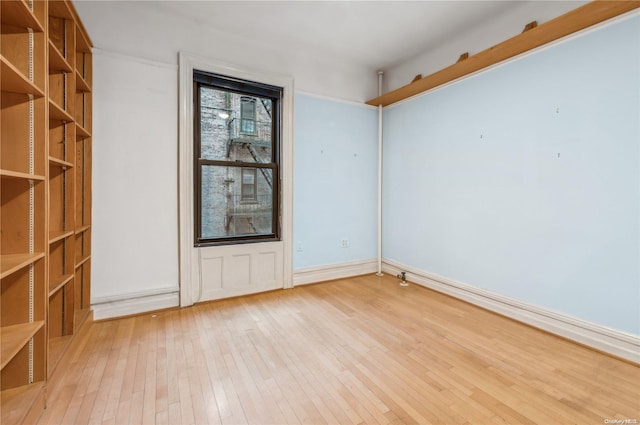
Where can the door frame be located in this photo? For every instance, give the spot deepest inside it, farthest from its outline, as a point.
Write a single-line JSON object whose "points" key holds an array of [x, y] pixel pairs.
{"points": [[188, 261]]}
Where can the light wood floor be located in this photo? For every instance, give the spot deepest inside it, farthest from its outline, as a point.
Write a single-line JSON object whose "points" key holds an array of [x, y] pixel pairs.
{"points": [[362, 350]]}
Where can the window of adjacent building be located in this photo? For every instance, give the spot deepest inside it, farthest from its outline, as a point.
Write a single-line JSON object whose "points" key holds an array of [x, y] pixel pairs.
{"points": [[236, 160], [249, 184], [248, 114]]}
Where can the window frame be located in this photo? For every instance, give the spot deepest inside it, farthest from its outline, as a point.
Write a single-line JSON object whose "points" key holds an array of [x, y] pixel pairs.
{"points": [[250, 89], [190, 256]]}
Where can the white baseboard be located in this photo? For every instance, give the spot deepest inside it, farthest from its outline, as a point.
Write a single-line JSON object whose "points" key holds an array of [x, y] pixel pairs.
{"points": [[600, 337], [134, 303], [334, 271]]}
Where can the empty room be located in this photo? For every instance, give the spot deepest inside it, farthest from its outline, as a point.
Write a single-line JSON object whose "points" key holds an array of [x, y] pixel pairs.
{"points": [[320, 212]]}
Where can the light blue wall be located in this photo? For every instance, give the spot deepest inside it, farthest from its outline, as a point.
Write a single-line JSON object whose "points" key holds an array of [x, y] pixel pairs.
{"points": [[335, 178], [524, 180]]}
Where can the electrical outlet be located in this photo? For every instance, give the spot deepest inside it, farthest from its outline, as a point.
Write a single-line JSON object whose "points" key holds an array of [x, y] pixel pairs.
{"points": [[344, 243], [299, 247]]}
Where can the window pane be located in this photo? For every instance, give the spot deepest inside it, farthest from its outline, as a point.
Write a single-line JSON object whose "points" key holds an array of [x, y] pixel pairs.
{"points": [[236, 201], [235, 127]]}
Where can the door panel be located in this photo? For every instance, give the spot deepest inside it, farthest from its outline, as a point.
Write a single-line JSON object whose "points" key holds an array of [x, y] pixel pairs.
{"points": [[228, 271], [211, 271]]}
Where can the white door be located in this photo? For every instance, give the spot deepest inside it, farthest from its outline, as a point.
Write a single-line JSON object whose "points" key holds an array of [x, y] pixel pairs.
{"points": [[235, 181]]}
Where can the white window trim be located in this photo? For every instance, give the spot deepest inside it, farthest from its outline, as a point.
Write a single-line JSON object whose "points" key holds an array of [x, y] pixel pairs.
{"points": [[189, 280]]}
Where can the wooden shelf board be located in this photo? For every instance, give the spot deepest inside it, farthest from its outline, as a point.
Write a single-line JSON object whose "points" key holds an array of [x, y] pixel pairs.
{"points": [[82, 229], [81, 132], [13, 338], [57, 347], [57, 62], [16, 402], [11, 263], [14, 81], [57, 113], [80, 317], [18, 14], [81, 83], [84, 260], [60, 9], [56, 235], [8, 174], [59, 162], [56, 284], [578, 19]]}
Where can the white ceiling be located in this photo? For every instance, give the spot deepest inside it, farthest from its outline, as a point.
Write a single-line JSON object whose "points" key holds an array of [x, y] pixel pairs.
{"points": [[345, 38], [374, 34], [371, 33]]}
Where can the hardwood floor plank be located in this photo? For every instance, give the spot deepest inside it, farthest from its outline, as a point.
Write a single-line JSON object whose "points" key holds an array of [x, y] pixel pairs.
{"points": [[352, 351]]}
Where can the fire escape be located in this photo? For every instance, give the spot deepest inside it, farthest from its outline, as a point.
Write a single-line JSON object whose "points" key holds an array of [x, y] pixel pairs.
{"points": [[256, 143]]}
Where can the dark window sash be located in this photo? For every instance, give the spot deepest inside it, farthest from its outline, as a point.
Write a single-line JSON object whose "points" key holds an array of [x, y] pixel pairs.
{"points": [[239, 164], [247, 88]]}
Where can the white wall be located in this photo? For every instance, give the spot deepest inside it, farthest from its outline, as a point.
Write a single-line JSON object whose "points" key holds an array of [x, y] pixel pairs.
{"points": [[525, 180], [509, 23], [135, 170]]}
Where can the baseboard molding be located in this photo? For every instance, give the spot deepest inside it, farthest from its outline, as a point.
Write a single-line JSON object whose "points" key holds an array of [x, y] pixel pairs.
{"points": [[612, 341], [135, 303], [317, 274]]}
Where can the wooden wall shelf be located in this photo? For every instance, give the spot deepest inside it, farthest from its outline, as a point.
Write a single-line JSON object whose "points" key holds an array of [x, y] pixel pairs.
{"points": [[57, 62], [59, 163], [55, 236], [14, 80], [81, 131], [81, 84], [13, 338], [56, 284], [56, 112], [18, 175], [569, 23], [17, 14], [82, 229], [11, 263]]}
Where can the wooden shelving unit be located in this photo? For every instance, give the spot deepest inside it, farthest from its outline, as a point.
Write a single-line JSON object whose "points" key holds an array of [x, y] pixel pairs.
{"points": [[83, 121], [23, 213], [45, 177]]}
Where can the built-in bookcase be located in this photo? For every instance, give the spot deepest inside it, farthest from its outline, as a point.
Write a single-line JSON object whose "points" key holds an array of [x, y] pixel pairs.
{"points": [[45, 216]]}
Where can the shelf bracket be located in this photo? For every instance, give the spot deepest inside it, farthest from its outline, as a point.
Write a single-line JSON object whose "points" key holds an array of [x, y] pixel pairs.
{"points": [[463, 56], [531, 25]]}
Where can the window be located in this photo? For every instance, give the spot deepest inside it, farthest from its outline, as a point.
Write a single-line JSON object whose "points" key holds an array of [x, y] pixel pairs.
{"points": [[236, 190], [248, 115]]}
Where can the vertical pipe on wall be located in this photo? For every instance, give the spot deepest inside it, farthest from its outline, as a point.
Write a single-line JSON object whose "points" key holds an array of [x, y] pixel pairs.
{"points": [[379, 177]]}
